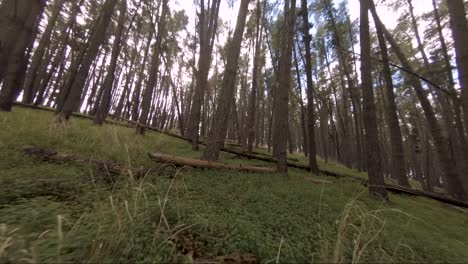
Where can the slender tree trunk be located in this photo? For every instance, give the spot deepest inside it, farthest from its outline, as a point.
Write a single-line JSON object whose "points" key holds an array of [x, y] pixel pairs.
{"points": [[218, 132], [19, 20], [96, 39], [154, 69], [303, 109], [208, 26], [459, 27], [29, 89], [103, 109], [281, 101], [398, 170], [374, 163], [414, 23], [310, 90], [346, 72], [140, 78], [455, 186], [253, 93]]}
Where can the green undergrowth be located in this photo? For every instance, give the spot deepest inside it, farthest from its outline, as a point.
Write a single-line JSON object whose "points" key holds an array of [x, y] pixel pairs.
{"points": [[65, 212]]}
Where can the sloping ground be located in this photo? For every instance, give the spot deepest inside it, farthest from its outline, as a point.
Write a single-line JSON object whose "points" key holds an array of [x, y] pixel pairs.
{"points": [[73, 213]]}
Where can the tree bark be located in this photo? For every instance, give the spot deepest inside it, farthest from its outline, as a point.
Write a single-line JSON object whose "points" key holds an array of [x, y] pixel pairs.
{"points": [[374, 163], [253, 93], [104, 105], [281, 101], [154, 69], [398, 170], [29, 89], [310, 90], [19, 20], [207, 29], [455, 186], [97, 37], [459, 27], [220, 119]]}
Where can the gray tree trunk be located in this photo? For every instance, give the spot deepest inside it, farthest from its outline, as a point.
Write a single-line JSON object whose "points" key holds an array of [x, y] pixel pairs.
{"points": [[374, 163], [104, 105], [310, 90], [29, 89], [19, 20], [448, 164], [154, 69], [281, 101], [218, 132], [97, 37]]}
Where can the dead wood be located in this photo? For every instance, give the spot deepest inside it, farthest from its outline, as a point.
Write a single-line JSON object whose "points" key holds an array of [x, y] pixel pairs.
{"points": [[314, 180], [390, 188], [113, 167], [168, 159]]}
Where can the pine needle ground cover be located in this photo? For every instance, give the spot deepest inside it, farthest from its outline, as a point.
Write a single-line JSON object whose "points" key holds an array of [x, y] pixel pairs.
{"points": [[65, 212]]}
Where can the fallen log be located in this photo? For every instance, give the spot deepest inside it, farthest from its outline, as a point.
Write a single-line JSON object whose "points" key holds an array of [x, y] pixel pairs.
{"points": [[178, 161], [102, 165], [314, 180], [290, 164], [437, 197], [390, 188]]}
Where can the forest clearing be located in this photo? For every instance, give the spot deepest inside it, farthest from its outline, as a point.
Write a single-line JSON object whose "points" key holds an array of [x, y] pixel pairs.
{"points": [[239, 131]]}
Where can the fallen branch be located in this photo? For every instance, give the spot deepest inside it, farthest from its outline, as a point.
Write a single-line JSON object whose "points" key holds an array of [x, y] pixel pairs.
{"points": [[390, 188], [178, 161], [314, 180], [103, 165], [437, 197]]}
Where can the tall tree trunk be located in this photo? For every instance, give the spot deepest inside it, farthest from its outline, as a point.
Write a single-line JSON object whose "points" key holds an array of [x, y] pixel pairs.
{"points": [[374, 163], [140, 78], [59, 58], [455, 186], [346, 72], [301, 102], [459, 27], [29, 89], [218, 131], [104, 105], [96, 39], [281, 101], [128, 82], [398, 170], [19, 20], [310, 89], [414, 23], [154, 69], [207, 26], [456, 103], [253, 93], [95, 95]]}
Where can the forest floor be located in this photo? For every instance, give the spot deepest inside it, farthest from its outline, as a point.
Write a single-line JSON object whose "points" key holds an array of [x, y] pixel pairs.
{"points": [[66, 212]]}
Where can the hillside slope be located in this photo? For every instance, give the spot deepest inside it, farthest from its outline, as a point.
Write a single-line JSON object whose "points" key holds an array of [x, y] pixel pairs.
{"points": [[65, 212]]}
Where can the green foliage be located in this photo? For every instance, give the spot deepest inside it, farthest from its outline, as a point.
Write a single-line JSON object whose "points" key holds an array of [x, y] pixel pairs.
{"points": [[71, 213]]}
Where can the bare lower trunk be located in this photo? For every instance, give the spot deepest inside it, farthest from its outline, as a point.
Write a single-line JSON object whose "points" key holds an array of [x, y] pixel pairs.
{"points": [[281, 101], [72, 99], [153, 74], [374, 163], [104, 105], [310, 90], [398, 170], [19, 20], [29, 89], [448, 164], [220, 119]]}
